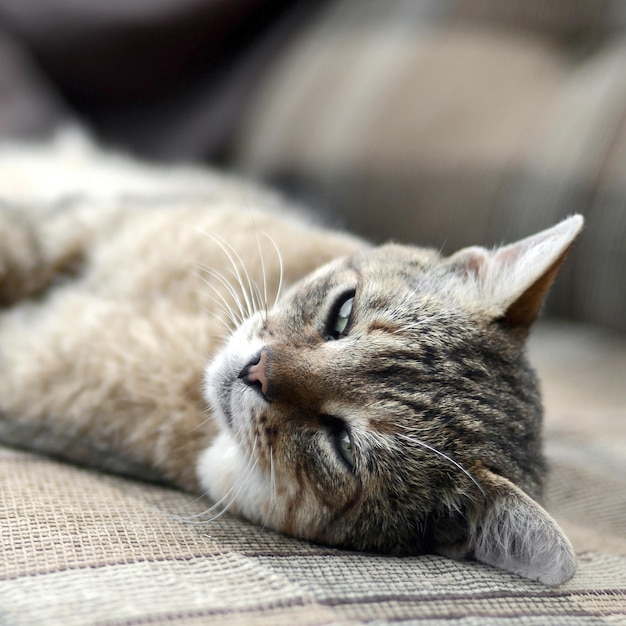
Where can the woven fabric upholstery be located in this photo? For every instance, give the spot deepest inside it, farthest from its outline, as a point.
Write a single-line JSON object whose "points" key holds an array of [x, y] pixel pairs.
{"points": [[79, 547], [462, 123]]}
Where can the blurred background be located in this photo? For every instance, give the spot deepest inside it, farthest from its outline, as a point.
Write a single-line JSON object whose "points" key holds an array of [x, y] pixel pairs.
{"points": [[439, 122]]}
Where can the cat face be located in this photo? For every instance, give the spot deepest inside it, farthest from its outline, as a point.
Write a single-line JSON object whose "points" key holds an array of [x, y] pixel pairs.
{"points": [[385, 404]]}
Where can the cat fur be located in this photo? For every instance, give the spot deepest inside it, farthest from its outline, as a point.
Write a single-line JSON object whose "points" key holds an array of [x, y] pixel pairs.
{"points": [[133, 298]]}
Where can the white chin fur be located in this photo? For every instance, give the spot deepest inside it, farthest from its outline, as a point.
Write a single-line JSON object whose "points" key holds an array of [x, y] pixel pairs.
{"points": [[233, 481], [216, 468]]}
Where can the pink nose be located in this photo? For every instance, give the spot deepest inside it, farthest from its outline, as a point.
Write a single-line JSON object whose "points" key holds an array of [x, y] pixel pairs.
{"points": [[254, 374]]}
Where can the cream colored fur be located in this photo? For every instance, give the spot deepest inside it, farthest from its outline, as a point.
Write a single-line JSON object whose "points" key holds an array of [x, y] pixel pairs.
{"points": [[148, 314]]}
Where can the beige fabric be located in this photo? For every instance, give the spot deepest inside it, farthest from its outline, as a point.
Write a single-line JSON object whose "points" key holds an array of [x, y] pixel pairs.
{"points": [[584, 375], [84, 548]]}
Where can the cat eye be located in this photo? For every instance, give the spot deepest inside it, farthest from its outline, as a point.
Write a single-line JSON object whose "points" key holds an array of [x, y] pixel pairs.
{"points": [[341, 439], [339, 318], [344, 446]]}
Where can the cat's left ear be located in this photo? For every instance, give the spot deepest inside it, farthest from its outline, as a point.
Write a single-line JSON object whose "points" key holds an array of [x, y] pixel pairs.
{"points": [[515, 533], [514, 280]]}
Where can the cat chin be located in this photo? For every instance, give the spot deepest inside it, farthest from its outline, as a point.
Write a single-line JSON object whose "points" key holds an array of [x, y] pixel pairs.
{"points": [[234, 482]]}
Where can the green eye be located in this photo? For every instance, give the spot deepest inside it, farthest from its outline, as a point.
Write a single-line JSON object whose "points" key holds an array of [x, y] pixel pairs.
{"points": [[338, 317], [344, 445], [340, 437], [343, 317]]}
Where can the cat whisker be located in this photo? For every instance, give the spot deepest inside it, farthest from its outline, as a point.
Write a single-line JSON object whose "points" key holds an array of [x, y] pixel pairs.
{"points": [[252, 465], [246, 293], [444, 456], [250, 290], [229, 288], [412, 429], [192, 519], [251, 294], [226, 311], [230, 496], [224, 282], [260, 302], [208, 419], [263, 274], [281, 268], [237, 265], [420, 323], [258, 297]]}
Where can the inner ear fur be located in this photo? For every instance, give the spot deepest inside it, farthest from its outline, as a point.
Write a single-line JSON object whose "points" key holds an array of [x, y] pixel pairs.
{"points": [[512, 281], [515, 533], [525, 310]]}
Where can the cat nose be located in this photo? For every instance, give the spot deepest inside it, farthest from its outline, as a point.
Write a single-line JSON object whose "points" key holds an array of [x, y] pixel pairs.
{"points": [[254, 374]]}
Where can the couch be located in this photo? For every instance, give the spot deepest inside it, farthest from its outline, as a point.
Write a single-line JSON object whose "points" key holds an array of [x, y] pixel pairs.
{"points": [[444, 123]]}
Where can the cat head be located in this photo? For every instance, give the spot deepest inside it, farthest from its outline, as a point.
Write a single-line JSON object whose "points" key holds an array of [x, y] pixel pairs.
{"points": [[386, 404]]}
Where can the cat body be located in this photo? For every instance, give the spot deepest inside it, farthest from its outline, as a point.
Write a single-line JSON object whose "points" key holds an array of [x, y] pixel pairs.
{"points": [[371, 398]]}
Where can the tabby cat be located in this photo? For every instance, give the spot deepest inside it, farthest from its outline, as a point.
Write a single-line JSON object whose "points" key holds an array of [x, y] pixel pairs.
{"points": [[374, 398]]}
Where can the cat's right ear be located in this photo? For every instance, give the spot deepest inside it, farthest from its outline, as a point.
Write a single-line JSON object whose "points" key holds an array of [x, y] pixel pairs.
{"points": [[512, 281], [515, 533]]}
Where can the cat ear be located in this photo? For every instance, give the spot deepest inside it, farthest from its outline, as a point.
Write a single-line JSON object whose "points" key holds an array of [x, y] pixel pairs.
{"points": [[516, 534], [514, 280]]}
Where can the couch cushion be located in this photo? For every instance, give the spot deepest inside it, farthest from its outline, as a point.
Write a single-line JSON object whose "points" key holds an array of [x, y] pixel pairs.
{"points": [[583, 370]]}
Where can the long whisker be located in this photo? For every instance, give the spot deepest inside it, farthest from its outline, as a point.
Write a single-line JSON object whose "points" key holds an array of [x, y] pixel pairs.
{"points": [[257, 297], [412, 429], [263, 273], [420, 323], [225, 309], [281, 267], [230, 496], [229, 288], [444, 456], [262, 298], [217, 505], [252, 304], [251, 467], [248, 299], [252, 286], [236, 263]]}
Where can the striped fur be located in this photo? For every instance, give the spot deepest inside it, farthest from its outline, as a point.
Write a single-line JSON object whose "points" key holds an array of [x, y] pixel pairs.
{"points": [[431, 385]]}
